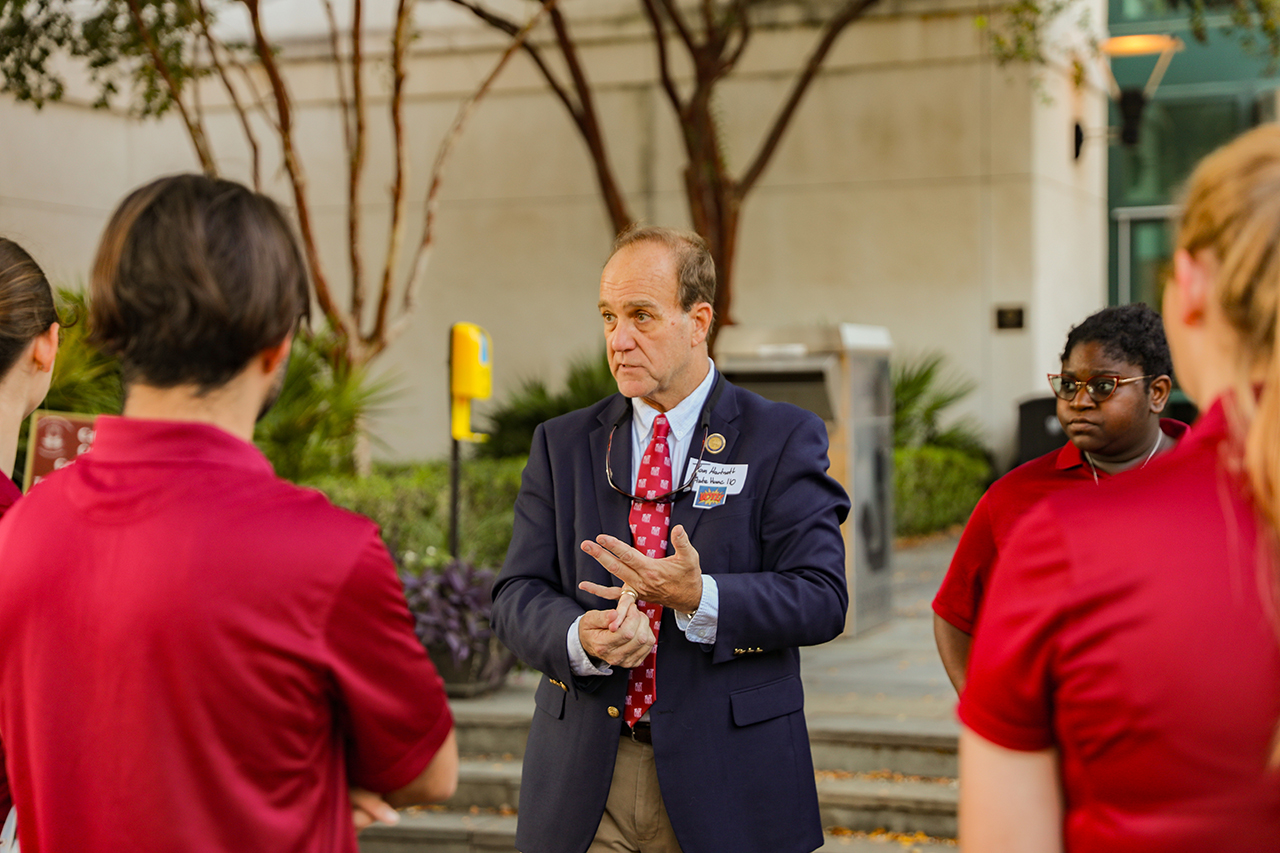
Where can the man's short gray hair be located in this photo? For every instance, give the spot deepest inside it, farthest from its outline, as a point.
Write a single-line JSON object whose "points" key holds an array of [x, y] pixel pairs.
{"points": [[695, 269]]}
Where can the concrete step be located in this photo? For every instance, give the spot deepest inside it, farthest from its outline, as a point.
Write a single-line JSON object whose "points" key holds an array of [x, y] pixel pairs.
{"points": [[861, 802], [497, 724], [487, 784], [452, 832], [915, 746], [898, 805]]}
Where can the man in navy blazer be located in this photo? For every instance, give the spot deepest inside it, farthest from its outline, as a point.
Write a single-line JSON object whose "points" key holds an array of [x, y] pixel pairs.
{"points": [[721, 760]]}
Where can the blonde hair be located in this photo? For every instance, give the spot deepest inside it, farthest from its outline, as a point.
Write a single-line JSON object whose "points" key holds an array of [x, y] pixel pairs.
{"points": [[1232, 210]]}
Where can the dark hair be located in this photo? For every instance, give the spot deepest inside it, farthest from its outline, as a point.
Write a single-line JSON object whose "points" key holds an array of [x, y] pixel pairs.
{"points": [[26, 302], [194, 277], [1134, 333], [695, 268]]}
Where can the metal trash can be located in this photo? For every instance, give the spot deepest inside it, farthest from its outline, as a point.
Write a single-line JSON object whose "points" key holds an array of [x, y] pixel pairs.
{"points": [[840, 372]]}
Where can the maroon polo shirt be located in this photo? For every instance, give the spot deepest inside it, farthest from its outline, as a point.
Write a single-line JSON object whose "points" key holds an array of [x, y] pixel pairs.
{"points": [[196, 655], [1133, 628], [960, 597]]}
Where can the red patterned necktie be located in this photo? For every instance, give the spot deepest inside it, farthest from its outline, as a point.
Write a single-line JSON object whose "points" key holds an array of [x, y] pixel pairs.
{"points": [[650, 523]]}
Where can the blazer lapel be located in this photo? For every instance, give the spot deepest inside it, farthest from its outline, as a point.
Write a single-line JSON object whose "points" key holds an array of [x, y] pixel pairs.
{"points": [[614, 509], [722, 418]]}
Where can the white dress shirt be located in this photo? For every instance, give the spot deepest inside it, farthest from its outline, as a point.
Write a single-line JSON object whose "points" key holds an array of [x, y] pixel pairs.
{"points": [[683, 418]]}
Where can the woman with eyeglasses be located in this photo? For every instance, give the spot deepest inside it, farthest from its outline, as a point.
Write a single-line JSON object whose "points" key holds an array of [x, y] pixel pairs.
{"points": [[1124, 689], [1112, 389]]}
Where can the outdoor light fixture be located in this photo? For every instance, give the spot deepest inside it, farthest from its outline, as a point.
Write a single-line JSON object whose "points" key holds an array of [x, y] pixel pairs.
{"points": [[1132, 101]]}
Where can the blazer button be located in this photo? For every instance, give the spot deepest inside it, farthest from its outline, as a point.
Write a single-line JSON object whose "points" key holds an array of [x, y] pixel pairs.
{"points": [[614, 712]]}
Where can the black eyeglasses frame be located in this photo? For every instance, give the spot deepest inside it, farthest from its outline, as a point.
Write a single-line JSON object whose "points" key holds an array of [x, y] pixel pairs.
{"points": [[671, 496]]}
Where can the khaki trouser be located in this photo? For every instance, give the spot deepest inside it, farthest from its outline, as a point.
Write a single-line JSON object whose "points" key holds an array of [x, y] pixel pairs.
{"points": [[635, 819]]}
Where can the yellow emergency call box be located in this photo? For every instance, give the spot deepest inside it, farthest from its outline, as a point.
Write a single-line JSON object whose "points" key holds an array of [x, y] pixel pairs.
{"points": [[470, 376]]}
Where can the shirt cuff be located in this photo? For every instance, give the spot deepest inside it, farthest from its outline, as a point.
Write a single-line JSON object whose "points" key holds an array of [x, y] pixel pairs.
{"points": [[579, 660], [701, 625]]}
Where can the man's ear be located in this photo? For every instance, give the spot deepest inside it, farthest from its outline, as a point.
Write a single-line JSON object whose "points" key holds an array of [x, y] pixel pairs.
{"points": [[1161, 387], [274, 356], [44, 348], [702, 314]]}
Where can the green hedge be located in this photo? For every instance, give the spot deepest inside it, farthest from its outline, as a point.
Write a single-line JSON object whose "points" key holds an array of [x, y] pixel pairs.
{"points": [[411, 504], [935, 487]]}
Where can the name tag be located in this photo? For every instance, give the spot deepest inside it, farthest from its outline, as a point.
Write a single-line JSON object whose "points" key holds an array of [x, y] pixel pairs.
{"points": [[715, 482]]}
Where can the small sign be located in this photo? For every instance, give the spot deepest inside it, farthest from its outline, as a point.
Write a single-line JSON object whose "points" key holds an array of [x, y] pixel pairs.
{"points": [[709, 496], [1009, 317], [729, 477], [55, 440]]}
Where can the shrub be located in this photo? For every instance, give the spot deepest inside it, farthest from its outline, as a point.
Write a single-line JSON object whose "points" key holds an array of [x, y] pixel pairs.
{"points": [[411, 505], [921, 393], [935, 487], [315, 426], [513, 422]]}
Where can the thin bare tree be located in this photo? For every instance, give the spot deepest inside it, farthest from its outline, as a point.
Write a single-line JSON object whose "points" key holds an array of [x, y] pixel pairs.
{"points": [[165, 51]]}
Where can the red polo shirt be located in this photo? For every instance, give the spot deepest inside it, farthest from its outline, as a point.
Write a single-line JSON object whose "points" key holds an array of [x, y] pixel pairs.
{"points": [[9, 492], [960, 597], [1127, 626], [198, 656]]}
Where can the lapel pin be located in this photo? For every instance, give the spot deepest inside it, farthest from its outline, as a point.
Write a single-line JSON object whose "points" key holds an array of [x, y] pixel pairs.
{"points": [[715, 443]]}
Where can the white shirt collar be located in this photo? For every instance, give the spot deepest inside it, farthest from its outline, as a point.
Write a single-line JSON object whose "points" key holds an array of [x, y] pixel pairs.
{"points": [[682, 417]]}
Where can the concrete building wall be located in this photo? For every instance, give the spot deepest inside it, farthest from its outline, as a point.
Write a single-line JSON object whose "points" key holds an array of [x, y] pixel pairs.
{"points": [[919, 187]]}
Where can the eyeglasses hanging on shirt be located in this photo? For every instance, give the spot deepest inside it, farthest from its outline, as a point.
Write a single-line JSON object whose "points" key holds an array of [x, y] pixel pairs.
{"points": [[675, 494]]}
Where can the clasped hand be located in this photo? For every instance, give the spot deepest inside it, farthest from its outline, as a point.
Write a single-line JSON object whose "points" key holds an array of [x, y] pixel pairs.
{"points": [[622, 636]]}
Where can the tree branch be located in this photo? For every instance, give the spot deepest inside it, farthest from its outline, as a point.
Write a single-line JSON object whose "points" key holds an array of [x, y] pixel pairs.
{"points": [[664, 61], [241, 112], [195, 128], [589, 122], [355, 167], [850, 12], [582, 111], [422, 255], [335, 53], [298, 181], [736, 16], [399, 45], [511, 28], [677, 21]]}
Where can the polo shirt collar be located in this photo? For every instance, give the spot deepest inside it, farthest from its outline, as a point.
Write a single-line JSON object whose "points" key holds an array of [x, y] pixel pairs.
{"points": [[682, 417], [1071, 457], [135, 440]]}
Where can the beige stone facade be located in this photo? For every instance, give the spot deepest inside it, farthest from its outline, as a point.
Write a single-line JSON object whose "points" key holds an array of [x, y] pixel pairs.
{"points": [[919, 188]]}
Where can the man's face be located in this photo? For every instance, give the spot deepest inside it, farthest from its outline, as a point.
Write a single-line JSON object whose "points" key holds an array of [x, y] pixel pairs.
{"points": [[1120, 426], [656, 349]]}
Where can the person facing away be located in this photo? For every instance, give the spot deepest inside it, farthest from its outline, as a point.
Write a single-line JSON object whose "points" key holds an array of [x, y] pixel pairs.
{"points": [[194, 654], [1124, 689], [28, 346], [1114, 384], [670, 712]]}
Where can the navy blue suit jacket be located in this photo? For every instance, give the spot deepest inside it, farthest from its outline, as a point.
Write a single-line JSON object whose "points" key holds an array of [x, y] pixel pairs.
{"points": [[729, 738]]}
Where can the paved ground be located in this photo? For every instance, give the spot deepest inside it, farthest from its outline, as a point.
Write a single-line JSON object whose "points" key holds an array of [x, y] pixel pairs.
{"points": [[891, 672]]}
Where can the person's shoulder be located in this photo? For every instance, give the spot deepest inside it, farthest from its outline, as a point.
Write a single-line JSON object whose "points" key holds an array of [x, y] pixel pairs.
{"points": [[298, 506]]}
